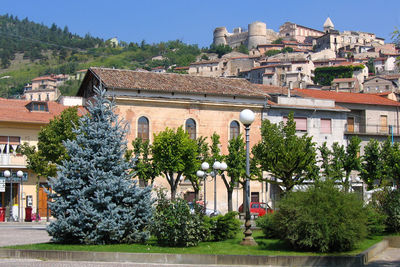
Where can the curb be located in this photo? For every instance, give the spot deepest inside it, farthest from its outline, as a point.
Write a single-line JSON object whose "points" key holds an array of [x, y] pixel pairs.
{"points": [[203, 259], [357, 260]]}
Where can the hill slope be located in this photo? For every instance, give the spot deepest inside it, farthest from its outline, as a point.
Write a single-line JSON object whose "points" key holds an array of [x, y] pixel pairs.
{"points": [[29, 49]]}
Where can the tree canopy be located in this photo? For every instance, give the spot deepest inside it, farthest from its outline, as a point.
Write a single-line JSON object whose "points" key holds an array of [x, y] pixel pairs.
{"points": [[288, 157]]}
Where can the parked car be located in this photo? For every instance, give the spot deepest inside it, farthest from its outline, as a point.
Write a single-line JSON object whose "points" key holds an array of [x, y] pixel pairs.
{"points": [[208, 212], [258, 207]]}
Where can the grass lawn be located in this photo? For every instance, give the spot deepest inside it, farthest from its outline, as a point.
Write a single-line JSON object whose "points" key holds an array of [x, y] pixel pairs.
{"points": [[228, 247]]}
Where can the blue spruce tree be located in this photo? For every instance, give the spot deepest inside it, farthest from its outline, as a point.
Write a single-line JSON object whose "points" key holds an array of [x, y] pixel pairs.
{"points": [[94, 199]]}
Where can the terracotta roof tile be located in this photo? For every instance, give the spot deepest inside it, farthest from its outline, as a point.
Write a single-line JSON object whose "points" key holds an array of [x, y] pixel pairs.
{"points": [[44, 78], [341, 80], [15, 110], [344, 97], [172, 82]]}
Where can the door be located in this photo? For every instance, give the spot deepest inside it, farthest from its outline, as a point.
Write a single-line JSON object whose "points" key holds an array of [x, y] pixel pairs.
{"points": [[43, 201], [384, 125], [350, 124]]}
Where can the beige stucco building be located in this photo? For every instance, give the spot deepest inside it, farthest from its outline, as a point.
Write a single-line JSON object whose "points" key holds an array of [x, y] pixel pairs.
{"points": [[150, 102], [20, 122]]}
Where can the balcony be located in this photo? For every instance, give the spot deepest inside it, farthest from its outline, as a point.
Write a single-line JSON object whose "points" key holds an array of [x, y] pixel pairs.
{"points": [[370, 129], [10, 160]]}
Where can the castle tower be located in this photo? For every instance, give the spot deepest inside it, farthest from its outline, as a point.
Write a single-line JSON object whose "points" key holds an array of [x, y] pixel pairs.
{"points": [[257, 34], [328, 25], [220, 34]]}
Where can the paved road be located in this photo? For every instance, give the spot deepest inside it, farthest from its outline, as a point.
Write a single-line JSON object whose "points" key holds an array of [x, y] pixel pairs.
{"points": [[23, 233], [389, 257]]}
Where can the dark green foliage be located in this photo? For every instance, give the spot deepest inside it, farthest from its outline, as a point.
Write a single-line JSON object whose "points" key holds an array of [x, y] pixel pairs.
{"points": [[243, 49], [277, 41], [220, 49], [223, 227], [323, 219], [370, 65], [325, 75], [267, 223], [272, 52], [287, 50], [174, 225], [376, 220], [389, 203]]}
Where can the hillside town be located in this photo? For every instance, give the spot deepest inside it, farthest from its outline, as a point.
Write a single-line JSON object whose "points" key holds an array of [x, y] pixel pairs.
{"points": [[337, 84]]}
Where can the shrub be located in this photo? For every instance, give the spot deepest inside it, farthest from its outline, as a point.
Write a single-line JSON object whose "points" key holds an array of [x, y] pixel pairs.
{"points": [[267, 223], [390, 206], [323, 219], [225, 226], [376, 221], [174, 225]]}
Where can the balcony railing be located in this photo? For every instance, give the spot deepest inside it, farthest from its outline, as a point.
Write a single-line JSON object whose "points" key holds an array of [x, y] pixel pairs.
{"points": [[12, 160], [373, 129]]}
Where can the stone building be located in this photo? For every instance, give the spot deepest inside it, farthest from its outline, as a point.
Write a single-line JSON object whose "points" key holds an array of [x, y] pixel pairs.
{"points": [[302, 34], [256, 34], [334, 40]]}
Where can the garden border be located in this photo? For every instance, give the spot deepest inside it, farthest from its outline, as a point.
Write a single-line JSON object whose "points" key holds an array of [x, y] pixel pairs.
{"points": [[357, 260]]}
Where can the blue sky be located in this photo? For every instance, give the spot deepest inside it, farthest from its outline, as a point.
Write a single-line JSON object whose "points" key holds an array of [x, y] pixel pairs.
{"points": [[193, 21]]}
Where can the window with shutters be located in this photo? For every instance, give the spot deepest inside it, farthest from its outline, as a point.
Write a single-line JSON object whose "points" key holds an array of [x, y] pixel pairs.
{"points": [[301, 123], [9, 144], [326, 126]]}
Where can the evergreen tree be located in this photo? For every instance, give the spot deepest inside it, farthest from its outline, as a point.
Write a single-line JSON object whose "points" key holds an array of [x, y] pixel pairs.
{"points": [[94, 199]]}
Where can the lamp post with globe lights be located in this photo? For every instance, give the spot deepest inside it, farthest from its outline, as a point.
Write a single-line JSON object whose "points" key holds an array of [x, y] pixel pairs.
{"points": [[8, 175], [203, 174], [247, 117]]}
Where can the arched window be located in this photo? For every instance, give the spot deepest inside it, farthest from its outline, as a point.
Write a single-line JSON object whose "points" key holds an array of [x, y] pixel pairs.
{"points": [[190, 128], [143, 128], [234, 129]]}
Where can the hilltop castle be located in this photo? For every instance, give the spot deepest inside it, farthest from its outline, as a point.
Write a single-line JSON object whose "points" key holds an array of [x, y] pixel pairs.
{"points": [[257, 34]]}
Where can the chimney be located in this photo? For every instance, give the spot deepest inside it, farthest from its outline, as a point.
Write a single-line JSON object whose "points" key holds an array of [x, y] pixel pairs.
{"points": [[290, 88]]}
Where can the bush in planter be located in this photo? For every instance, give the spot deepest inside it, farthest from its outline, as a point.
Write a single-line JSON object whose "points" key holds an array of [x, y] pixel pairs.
{"points": [[323, 219], [267, 223], [223, 227], [174, 225]]}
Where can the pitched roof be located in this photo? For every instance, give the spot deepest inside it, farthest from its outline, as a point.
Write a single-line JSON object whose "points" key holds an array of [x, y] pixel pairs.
{"points": [[328, 22], [44, 78], [344, 97], [15, 110], [172, 82], [341, 80]]}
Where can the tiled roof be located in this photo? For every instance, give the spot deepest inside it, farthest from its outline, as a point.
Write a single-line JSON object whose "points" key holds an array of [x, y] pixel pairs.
{"points": [[344, 97], [15, 110], [43, 78], [205, 62], [172, 82], [181, 68], [341, 80]]}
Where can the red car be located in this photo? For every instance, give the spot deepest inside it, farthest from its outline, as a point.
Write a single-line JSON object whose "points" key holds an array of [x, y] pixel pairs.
{"points": [[258, 207]]}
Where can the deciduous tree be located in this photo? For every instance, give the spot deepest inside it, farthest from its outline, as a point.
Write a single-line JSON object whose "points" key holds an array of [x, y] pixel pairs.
{"points": [[288, 157]]}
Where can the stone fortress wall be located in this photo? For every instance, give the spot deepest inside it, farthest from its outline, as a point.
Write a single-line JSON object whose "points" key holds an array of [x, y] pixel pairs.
{"points": [[257, 34]]}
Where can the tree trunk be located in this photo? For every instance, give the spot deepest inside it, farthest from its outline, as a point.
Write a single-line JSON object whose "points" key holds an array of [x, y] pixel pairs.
{"points": [[173, 193], [196, 194], [37, 199], [230, 193]]}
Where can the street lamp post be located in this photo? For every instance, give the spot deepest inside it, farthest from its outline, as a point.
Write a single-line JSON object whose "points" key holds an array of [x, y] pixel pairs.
{"points": [[20, 174], [247, 117], [7, 174], [203, 174]]}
